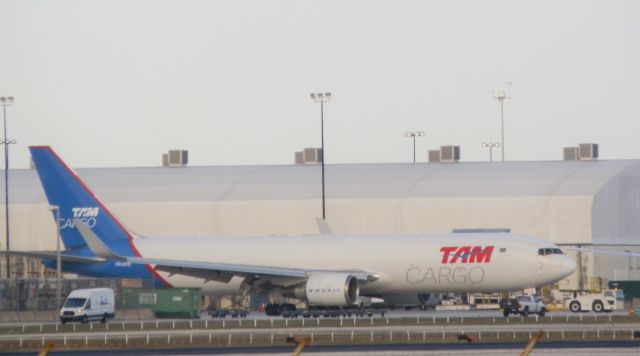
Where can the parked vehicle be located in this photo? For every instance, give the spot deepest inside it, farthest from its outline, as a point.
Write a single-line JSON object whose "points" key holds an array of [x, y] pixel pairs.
{"points": [[509, 306], [598, 302], [523, 305], [88, 304]]}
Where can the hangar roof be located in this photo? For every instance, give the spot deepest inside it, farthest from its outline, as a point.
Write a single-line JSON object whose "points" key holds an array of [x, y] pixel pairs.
{"points": [[343, 181]]}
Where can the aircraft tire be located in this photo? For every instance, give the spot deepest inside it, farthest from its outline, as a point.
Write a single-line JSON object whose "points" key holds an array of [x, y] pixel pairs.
{"points": [[272, 309], [286, 307]]}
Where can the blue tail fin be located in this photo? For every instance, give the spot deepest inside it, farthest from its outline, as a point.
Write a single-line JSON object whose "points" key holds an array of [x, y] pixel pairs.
{"points": [[76, 201]]}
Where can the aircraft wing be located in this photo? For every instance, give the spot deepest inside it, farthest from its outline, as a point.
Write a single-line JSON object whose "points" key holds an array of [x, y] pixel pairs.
{"points": [[222, 272], [257, 275], [51, 255]]}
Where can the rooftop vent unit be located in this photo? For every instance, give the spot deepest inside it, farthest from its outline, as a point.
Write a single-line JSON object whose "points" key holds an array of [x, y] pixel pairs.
{"points": [[449, 153], [584, 152], [308, 156], [434, 156], [588, 151], [570, 153], [175, 158]]}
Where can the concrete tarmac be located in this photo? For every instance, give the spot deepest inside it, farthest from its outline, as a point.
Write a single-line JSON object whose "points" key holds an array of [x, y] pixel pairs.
{"points": [[561, 349]]}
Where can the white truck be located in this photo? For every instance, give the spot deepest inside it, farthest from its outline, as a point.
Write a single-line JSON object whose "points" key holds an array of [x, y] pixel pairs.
{"points": [[598, 302], [523, 305], [88, 304]]}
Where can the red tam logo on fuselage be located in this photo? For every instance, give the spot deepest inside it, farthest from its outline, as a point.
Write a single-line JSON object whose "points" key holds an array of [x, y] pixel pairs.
{"points": [[466, 254]]}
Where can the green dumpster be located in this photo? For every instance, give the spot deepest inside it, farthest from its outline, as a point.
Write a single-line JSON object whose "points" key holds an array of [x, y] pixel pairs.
{"points": [[178, 303], [136, 298]]}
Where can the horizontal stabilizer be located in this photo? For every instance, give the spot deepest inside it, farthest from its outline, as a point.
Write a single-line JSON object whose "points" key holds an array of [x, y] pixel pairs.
{"points": [[52, 255], [95, 245]]}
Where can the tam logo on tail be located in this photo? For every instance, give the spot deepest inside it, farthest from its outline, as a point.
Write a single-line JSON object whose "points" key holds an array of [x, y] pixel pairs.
{"points": [[87, 215], [85, 212]]}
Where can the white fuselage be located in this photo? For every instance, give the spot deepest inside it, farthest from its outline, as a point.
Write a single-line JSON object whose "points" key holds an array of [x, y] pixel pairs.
{"points": [[403, 263]]}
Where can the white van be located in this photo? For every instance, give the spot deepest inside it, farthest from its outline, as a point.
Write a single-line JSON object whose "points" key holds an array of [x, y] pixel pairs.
{"points": [[88, 304]]}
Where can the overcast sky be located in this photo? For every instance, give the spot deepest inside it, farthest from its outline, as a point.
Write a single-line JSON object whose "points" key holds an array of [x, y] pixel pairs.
{"points": [[117, 83]]}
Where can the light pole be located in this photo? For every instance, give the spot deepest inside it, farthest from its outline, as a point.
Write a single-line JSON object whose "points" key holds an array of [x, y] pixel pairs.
{"points": [[501, 96], [56, 210], [6, 101], [414, 134], [490, 146], [322, 98]]}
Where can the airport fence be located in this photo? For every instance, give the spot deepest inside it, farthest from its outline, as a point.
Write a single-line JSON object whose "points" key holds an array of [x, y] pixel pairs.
{"points": [[39, 294], [160, 340], [221, 325]]}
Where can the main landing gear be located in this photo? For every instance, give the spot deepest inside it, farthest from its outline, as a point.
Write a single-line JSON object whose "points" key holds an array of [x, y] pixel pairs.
{"points": [[278, 309]]}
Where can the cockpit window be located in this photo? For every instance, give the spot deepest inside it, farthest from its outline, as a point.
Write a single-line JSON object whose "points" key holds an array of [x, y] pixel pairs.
{"points": [[549, 251]]}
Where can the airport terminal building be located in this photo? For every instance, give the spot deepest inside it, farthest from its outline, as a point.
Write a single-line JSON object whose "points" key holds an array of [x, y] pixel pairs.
{"points": [[572, 203]]}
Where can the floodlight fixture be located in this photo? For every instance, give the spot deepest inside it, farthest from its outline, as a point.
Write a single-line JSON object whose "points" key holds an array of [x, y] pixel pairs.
{"points": [[413, 135]]}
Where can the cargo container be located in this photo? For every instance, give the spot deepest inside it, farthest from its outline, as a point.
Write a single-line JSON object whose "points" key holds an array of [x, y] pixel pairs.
{"points": [[178, 303]]}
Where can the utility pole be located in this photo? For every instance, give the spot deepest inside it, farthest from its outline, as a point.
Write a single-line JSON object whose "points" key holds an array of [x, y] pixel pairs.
{"points": [[6, 101]]}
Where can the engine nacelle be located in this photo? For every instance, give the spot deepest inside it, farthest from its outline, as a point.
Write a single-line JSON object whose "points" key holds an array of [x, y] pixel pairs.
{"points": [[329, 289]]}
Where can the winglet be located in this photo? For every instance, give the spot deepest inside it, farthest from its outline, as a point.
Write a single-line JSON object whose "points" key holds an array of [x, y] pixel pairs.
{"points": [[95, 245]]}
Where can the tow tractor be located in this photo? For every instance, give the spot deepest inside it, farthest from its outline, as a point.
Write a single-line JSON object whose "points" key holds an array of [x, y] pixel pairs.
{"points": [[598, 302]]}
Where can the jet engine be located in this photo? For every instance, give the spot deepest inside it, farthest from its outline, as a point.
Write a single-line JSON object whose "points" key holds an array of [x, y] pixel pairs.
{"points": [[329, 289]]}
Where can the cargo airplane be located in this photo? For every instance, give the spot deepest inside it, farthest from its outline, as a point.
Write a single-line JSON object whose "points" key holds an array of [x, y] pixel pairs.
{"points": [[325, 270]]}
